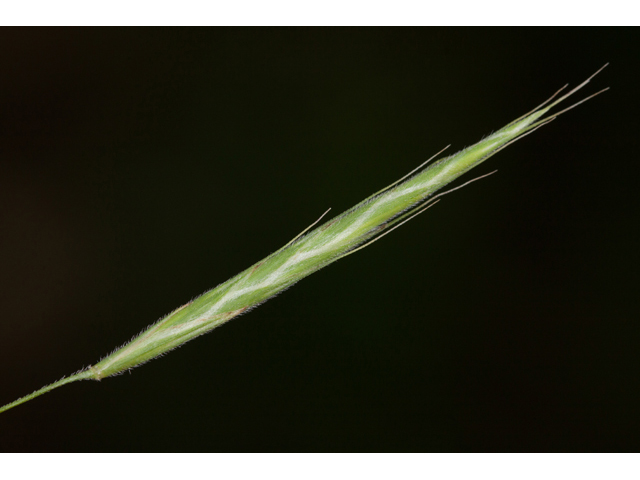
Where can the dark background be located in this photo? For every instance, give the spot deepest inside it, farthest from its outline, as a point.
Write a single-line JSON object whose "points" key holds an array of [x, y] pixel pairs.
{"points": [[141, 167]]}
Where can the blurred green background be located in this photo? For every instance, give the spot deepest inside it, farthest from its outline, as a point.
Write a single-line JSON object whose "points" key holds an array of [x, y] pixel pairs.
{"points": [[141, 167]]}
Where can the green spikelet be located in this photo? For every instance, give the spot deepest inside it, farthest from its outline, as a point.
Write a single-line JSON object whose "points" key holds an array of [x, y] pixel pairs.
{"points": [[308, 252]]}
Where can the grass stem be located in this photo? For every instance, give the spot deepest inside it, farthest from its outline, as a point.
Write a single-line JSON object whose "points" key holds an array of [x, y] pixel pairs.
{"points": [[84, 375]]}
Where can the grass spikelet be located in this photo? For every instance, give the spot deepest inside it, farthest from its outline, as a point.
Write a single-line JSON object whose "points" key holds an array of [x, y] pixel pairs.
{"points": [[312, 250]]}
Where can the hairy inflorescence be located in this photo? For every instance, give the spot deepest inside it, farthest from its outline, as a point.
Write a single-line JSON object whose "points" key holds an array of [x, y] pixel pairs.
{"points": [[310, 251]]}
